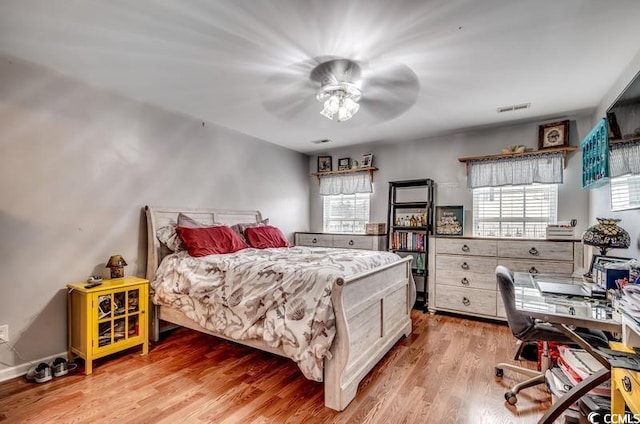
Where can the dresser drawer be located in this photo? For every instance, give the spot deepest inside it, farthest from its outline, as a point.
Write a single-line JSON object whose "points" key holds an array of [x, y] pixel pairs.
{"points": [[354, 242], [466, 271], [534, 249], [466, 247], [537, 267], [465, 300], [500, 311], [314, 240]]}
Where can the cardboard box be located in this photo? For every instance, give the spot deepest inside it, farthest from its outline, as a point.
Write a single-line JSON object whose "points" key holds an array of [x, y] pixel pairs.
{"points": [[376, 228], [608, 278]]}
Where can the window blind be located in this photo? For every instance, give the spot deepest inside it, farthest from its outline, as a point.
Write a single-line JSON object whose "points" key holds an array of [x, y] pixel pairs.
{"points": [[514, 211], [346, 213], [625, 192]]}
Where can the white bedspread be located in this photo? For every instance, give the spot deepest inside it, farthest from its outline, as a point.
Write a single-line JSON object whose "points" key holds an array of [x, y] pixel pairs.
{"points": [[281, 295]]}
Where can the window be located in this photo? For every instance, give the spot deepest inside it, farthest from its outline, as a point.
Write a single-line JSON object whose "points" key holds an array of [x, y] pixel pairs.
{"points": [[514, 211], [625, 192], [346, 213]]}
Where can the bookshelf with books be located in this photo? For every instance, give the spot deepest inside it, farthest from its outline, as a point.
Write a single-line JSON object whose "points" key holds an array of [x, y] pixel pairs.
{"points": [[410, 221]]}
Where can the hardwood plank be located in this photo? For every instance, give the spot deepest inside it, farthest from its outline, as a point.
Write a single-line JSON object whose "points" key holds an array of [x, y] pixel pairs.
{"points": [[442, 372]]}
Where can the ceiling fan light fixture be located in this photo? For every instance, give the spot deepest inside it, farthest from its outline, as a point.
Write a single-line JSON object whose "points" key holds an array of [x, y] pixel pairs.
{"points": [[340, 100]]}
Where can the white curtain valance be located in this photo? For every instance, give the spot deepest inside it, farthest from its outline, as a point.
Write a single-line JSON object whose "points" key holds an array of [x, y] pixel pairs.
{"points": [[624, 159], [545, 168], [356, 182]]}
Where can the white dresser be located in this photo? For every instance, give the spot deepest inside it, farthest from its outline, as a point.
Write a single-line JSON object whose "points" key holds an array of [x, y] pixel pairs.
{"points": [[462, 271], [346, 241]]}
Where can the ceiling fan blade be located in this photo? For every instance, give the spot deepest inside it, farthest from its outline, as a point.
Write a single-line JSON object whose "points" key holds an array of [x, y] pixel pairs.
{"points": [[390, 91]]}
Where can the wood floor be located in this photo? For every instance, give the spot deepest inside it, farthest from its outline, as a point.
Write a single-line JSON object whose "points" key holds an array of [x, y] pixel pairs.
{"points": [[442, 373]]}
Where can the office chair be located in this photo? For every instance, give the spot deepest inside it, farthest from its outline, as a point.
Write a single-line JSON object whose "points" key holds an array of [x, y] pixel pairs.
{"points": [[526, 329]]}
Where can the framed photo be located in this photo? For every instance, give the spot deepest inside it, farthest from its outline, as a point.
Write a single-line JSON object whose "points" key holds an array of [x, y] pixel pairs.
{"points": [[599, 259], [367, 160], [449, 220], [555, 134], [324, 164], [344, 163]]}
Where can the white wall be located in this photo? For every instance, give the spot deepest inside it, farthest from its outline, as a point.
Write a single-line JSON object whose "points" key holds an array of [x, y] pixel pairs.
{"points": [[600, 198], [77, 166], [437, 158]]}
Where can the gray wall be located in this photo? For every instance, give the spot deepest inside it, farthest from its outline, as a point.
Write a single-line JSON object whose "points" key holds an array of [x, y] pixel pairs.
{"points": [[437, 158], [77, 165], [600, 198]]}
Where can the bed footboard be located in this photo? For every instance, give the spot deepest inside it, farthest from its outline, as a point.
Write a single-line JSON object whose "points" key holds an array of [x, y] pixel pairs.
{"points": [[372, 313]]}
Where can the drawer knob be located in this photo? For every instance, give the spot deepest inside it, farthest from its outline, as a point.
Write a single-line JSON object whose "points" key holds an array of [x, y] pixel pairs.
{"points": [[465, 301], [350, 242], [464, 281], [533, 251], [464, 266], [315, 240], [465, 248], [533, 270], [626, 383]]}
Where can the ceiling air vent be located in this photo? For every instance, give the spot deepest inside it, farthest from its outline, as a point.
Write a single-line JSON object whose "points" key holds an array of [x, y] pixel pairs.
{"points": [[514, 107], [321, 141]]}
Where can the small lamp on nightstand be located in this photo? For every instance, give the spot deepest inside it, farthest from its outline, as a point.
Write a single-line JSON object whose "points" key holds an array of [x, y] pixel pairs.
{"points": [[116, 263]]}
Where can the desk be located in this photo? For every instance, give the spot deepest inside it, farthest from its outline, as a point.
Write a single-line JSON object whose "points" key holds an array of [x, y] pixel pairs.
{"points": [[563, 312]]}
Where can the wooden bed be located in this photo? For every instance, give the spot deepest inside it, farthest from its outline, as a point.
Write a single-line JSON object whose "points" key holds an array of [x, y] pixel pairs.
{"points": [[372, 309]]}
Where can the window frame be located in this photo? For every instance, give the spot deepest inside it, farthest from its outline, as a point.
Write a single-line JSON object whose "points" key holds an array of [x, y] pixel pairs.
{"points": [[629, 183], [358, 197], [533, 226]]}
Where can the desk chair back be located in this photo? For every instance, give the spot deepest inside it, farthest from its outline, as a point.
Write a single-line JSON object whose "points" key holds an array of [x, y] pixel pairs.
{"points": [[519, 323]]}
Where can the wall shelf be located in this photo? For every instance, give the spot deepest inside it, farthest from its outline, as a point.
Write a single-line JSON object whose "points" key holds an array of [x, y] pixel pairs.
{"points": [[370, 170], [633, 139], [563, 150]]}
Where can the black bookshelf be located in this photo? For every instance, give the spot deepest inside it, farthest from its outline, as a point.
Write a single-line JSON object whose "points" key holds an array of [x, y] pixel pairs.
{"points": [[410, 223]]}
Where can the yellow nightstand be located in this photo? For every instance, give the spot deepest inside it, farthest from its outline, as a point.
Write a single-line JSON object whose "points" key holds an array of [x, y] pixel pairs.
{"points": [[108, 318], [625, 387]]}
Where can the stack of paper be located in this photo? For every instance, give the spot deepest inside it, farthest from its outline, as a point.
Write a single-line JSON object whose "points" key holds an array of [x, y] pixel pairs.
{"points": [[558, 384], [630, 301], [578, 364]]}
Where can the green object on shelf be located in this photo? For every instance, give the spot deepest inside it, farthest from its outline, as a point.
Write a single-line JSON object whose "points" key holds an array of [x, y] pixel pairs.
{"points": [[419, 263]]}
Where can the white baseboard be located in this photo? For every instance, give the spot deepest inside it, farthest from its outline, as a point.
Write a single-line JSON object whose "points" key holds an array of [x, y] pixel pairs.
{"points": [[20, 370]]}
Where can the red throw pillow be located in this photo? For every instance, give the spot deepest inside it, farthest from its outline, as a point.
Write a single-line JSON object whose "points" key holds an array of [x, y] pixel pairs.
{"points": [[264, 237], [210, 240]]}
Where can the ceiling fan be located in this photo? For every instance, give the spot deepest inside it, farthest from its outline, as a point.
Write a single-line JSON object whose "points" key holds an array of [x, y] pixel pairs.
{"points": [[339, 88]]}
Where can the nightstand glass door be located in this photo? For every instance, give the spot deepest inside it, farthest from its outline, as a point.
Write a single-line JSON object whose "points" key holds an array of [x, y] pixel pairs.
{"points": [[118, 318]]}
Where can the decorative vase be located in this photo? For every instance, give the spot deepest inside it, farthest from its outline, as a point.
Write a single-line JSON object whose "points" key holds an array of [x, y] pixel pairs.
{"points": [[606, 234]]}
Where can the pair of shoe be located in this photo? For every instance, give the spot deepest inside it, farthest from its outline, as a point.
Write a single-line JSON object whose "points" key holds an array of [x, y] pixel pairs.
{"points": [[43, 372]]}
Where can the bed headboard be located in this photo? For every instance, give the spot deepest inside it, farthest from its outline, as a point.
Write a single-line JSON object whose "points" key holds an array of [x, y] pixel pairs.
{"points": [[159, 217]]}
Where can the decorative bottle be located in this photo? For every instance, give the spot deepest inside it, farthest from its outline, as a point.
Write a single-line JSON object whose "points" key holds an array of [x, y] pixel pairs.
{"points": [[419, 264]]}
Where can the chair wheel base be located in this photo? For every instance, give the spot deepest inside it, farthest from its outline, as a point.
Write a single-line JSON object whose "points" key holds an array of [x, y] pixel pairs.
{"points": [[499, 372], [511, 398]]}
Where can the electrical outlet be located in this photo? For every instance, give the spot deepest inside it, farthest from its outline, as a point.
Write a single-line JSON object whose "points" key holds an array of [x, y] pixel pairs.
{"points": [[4, 332]]}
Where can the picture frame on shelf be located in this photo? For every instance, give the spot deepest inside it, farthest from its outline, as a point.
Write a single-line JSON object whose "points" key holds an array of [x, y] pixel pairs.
{"points": [[324, 164], [554, 134], [449, 221], [367, 160], [344, 164]]}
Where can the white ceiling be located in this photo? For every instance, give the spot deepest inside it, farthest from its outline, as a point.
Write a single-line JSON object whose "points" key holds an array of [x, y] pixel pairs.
{"points": [[214, 59]]}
